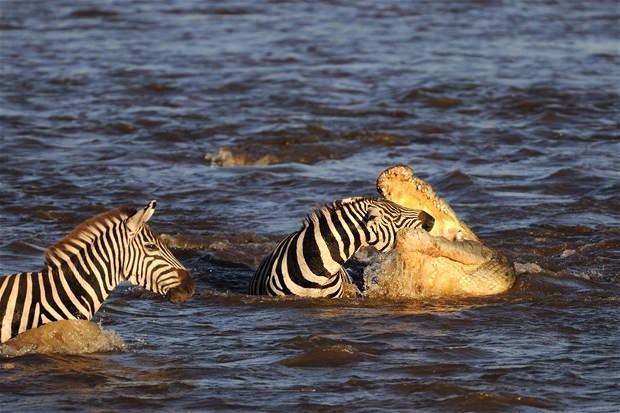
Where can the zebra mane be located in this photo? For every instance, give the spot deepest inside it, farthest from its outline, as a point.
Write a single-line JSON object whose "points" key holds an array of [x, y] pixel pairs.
{"points": [[316, 213], [87, 229]]}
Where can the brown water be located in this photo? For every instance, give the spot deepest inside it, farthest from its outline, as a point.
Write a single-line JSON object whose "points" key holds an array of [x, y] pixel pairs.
{"points": [[239, 117]]}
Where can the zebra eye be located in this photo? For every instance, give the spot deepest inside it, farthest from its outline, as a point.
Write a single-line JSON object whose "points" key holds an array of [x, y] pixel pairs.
{"points": [[150, 247]]}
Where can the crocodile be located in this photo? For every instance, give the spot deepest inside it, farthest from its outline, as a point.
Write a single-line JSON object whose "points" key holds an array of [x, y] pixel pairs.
{"points": [[448, 260]]}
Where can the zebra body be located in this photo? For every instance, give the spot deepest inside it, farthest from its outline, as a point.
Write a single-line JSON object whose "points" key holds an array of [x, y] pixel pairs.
{"points": [[81, 271], [310, 262]]}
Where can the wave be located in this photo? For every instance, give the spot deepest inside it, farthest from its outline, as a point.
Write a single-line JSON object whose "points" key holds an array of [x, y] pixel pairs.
{"points": [[319, 351]]}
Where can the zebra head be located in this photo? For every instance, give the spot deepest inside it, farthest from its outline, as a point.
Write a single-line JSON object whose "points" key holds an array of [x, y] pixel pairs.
{"points": [[385, 218], [150, 264]]}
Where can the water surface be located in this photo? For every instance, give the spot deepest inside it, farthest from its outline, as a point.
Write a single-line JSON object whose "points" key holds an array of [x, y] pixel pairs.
{"points": [[241, 116]]}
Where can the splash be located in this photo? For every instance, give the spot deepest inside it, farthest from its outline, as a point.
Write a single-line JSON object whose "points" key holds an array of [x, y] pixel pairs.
{"points": [[388, 277], [64, 337], [528, 268]]}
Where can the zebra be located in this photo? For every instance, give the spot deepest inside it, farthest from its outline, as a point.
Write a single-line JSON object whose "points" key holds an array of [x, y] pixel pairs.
{"points": [[309, 262], [83, 268]]}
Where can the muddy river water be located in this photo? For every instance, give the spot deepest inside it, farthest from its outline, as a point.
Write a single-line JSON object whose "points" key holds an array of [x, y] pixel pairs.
{"points": [[239, 117]]}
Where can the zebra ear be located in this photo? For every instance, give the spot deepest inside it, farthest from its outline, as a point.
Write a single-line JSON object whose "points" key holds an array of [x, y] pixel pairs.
{"points": [[137, 220], [374, 217]]}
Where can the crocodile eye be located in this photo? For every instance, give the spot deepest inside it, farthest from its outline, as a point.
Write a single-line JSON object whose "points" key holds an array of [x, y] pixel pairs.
{"points": [[150, 247]]}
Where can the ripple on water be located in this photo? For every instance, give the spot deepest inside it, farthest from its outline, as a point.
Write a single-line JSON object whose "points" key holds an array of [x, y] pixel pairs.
{"points": [[92, 13], [318, 351], [480, 401]]}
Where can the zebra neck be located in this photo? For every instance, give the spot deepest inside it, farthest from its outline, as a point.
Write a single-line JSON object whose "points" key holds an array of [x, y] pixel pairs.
{"points": [[356, 231], [339, 230], [83, 279]]}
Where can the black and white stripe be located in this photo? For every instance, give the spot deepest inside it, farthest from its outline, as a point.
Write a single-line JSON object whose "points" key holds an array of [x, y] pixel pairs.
{"points": [[81, 271], [310, 262]]}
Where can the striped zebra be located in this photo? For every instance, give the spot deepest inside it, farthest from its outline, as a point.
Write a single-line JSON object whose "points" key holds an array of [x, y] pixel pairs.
{"points": [[310, 261], [82, 269]]}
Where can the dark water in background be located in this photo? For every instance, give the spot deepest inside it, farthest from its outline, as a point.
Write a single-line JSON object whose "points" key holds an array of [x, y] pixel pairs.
{"points": [[510, 111]]}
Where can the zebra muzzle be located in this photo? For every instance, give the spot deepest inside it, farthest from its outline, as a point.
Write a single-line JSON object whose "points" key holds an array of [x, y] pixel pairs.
{"points": [[427, 220], [183, 291]]}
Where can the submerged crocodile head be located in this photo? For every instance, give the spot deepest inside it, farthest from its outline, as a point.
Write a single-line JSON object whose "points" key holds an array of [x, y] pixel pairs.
{"points": [[399, 184]]}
